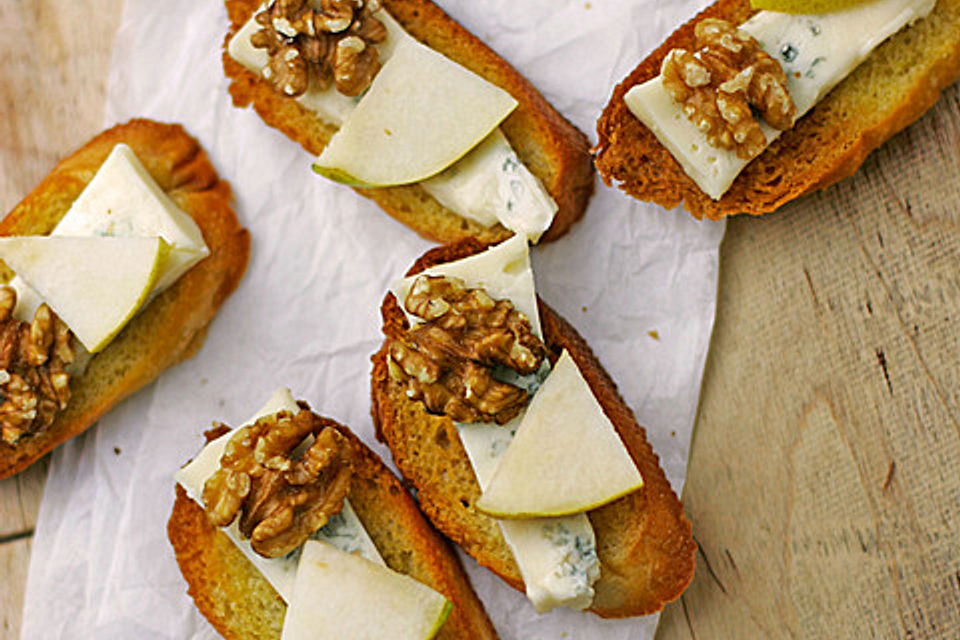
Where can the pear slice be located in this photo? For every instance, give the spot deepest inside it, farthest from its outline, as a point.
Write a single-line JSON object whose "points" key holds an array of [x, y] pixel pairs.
{"points": [[343, 596], [566, 456], [94, 284], [422, 113]]}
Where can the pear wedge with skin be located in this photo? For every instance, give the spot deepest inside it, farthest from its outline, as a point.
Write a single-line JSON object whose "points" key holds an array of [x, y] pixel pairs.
{"points": [[422, 113], [342, 596], [566, 456], [95, 284]]}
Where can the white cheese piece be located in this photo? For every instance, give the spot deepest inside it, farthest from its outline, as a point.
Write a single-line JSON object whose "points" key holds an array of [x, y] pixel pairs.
{"points": [[488, 185], [816, 52], [557, 556], [123, 199], [342, 597], [344, 530], [503, 271]]}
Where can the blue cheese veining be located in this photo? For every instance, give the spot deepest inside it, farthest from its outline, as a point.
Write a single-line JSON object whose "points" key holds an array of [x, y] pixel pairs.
{"points": [[556, 556], [488, 185], [344, 531], [122, 199], [816, 52]]}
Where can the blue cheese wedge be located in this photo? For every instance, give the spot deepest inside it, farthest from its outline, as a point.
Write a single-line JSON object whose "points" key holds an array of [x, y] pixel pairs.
{"points": [[489, 185], [816, 52], [344, 531], [123, 199], [504, 271], [557, 556]]}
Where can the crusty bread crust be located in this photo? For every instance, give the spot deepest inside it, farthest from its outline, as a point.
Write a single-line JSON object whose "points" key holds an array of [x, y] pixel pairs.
{"points": [[644, 540], [241, 604], [899, 81], [552, 148], [172, 327]]}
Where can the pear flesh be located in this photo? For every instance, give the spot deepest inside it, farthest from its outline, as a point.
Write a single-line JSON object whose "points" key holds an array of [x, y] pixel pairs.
{"points": [[94, 284], [566, 456], [422, 113], [341, 596]]}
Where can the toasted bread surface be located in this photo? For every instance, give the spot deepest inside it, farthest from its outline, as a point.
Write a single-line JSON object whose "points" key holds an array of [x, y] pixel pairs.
{"points": [[900, 80], [241, 604], [171, 328], [553, 149], [644, 540]]}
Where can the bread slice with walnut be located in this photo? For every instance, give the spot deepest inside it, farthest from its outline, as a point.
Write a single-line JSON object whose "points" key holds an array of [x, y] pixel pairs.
{"points": [[643, 540], [898, 82], [551, 148], [239, 602], [172, 327]]}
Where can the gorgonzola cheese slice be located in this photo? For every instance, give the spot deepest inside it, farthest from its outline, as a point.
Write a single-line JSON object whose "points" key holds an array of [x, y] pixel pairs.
{"points": [[344, 531], [557, 556], [816, 51], [123, 199], [488, 185]]}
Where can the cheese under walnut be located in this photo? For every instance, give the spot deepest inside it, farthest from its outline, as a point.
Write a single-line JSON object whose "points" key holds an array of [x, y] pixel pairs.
{"points": [[723, 82]]}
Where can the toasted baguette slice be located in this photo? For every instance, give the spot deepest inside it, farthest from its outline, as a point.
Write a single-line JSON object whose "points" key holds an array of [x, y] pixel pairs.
{"points": [[240, 603], [172, 327], [900, 80], [552, 148], [643, 539]]}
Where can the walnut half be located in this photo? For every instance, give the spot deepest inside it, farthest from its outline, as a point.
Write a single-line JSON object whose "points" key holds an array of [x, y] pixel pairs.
{"points": [[724, 82], [448, 360], [283, 486], [329, 41], [34, 383]]}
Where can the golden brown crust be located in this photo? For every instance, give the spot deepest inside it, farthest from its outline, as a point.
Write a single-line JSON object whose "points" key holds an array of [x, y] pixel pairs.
{"points": [[644, 540], [552, 148], [907, 72], [172, 327], [241, 604]]}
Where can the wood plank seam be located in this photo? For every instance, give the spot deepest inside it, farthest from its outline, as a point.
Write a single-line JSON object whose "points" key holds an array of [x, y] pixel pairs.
{"points": [[14, 537]]}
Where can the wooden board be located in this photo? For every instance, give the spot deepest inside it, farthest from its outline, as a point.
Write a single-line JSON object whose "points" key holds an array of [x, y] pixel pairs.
{"points": [[56, 56], [823, 484]]}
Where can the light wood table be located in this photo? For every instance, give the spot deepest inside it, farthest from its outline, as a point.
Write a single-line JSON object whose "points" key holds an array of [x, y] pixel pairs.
{"points": [[823, 482]]}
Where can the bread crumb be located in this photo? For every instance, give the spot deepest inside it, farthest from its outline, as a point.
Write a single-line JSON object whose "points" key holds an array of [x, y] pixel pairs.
{"points": [[653, 333]]}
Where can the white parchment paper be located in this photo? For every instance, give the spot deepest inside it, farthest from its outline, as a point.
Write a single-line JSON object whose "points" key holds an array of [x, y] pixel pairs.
{"points": [[638, 282]]}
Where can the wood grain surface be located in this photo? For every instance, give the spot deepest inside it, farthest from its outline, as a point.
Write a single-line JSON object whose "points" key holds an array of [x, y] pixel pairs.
{"points": [[823, 482], [55, 59]]}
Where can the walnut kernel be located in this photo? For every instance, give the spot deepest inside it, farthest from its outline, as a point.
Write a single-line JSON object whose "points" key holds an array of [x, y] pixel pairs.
{"points": [[721, 85], [331, 43], [448, 361], [34, 383], [281, 492]]}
